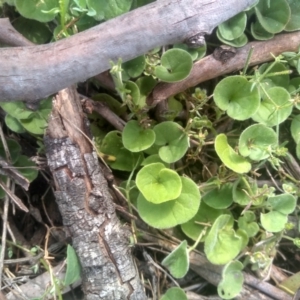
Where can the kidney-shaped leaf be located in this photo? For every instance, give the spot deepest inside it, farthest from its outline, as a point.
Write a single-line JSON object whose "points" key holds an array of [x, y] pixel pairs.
{"points": [[234, 27], [135, 138], [176, 65], [171, 213], [205, 215], [229, 157], [173, 139], [222, 244], [158, 184], [273, 221], [232, 280], [234, 94], [174, 293], [178, 261], [295, 129], [257, 141], [274, 108], [294, 22], [273, 15], [35, 9], [219, 198], [124, 159]]}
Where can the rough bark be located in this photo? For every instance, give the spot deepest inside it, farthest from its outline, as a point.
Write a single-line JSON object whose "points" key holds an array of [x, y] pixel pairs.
{"points": [[87, 209], [31, 73]]}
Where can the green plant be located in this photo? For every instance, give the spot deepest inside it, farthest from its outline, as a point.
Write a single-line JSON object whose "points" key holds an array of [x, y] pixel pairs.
{"points": [[167, 162]]}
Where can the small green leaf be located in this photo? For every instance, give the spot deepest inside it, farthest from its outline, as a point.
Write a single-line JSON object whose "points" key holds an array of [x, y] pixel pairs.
{"points": [[174, 293], [294, 22], [13, 124], [232, 280], [248, 224], [134, 67], [273, 15], [295, 129], [73, 267], [115, 8], [229, 157], [156, 177], [14, 150], [26, 167], [176, 65], [112, 145], [275, 107], [205, 216], [35, 31], [235, 95], [234, 27], [173, 139], [17, 109], [135, 138], [177, 261], [223, 244], [219, 198], [257, 142], [284, 203], [36, 124], [34, 9], [273, 221], [174, 212]]}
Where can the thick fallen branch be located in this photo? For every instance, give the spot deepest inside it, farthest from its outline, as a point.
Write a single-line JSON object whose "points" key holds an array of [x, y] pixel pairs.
{"points": [[31, 73], [100, 240]]}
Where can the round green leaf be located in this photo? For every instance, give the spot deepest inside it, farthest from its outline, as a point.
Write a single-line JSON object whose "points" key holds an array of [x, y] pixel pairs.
{"points": [[273, 15], [295, 129], [239, 42], [232, 280], [235, 95], [259, 33], [240, 193], [158, 184], [36, 124], [135, 138], [35, 31], [257, 142], [134, 67], [174, 293], [284, 203], [26, 167], [222, 243], [274, 108], [38, 10], [17, 109], [14, 150], [133, 92], [219, 198], [205, 215], [171, 213], [248, 224], [294, 22], [229, 157], [115, 8], [234, 27], [173, 139], [176, 65], [13, 124], [124, 159], [178, 261], [273, 221]]}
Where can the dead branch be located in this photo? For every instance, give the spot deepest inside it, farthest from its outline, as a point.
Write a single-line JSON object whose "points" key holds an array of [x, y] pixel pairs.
{"points": [[31, 73]]}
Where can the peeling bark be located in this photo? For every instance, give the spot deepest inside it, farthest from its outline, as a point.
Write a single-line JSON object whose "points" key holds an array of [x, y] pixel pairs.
{"points": [[101, 242]]}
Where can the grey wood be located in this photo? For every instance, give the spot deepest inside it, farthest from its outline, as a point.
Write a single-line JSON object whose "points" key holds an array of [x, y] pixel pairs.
{"points": [[31, 73]]}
